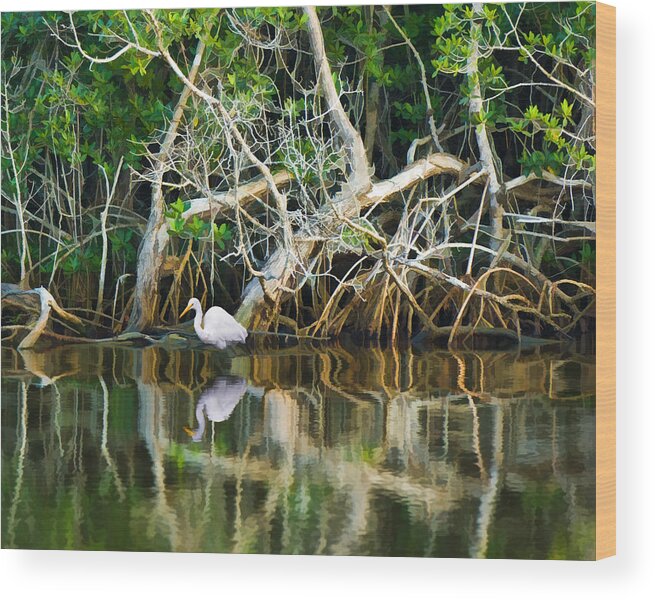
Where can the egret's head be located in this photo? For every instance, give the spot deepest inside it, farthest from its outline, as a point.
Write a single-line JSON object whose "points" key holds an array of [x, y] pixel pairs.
{"points": [[193, 303]]}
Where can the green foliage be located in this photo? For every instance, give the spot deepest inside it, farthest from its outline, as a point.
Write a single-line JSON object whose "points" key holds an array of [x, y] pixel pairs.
{"points": [[66, 101], [82, 260], [10, 262], [221, 234], [195, 228], [587, 258], [357, 239], [122, 246], [550, 34], [557, 152], [177, 223]]}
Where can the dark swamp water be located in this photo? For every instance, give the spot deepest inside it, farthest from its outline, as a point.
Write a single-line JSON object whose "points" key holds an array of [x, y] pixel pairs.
{"points": [[312, 450]]}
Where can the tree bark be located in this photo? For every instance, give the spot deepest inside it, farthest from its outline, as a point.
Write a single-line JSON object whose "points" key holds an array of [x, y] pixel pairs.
{"points": [[224, 203], [153, 247], [482, 135], [359, 179]]}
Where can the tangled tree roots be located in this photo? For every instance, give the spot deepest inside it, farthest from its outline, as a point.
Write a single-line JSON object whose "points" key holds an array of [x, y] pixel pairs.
{"points": [[393, 277]]}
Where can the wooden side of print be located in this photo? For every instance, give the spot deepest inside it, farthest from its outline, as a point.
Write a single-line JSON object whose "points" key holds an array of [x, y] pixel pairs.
{"points": [[606, 281]]}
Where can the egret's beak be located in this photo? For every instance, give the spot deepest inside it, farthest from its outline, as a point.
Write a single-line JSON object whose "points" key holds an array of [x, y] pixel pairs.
{"points": [[185, 311], [189, 432]]}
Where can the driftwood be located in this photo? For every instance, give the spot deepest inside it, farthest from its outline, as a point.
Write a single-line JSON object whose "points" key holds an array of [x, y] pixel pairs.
{"points": [[225, 203], [41, 302], [46, 303]]}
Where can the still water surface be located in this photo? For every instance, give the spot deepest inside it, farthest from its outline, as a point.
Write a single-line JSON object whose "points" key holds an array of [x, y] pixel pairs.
{"points": [[312, 450]]}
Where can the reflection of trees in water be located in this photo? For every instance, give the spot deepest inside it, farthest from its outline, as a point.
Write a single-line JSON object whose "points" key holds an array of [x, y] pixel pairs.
{"points": [[329, 451]]}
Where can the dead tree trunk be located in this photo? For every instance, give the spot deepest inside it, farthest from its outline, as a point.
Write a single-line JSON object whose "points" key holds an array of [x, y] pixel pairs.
{"points": [[359, 179], [153, 247]]}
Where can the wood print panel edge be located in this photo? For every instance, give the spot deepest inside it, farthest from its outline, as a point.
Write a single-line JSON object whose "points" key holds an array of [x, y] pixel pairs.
{"points": [[606, 281]]}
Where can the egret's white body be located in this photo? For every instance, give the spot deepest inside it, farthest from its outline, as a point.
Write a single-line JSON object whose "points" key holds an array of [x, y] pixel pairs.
{"points": [[216, 326]]}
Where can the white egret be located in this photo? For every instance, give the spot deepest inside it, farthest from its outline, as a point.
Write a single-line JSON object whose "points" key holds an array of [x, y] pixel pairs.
{"points": [[216, 327]]}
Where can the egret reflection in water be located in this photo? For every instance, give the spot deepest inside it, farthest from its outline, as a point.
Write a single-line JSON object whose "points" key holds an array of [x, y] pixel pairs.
{"points": [[217, 403]]}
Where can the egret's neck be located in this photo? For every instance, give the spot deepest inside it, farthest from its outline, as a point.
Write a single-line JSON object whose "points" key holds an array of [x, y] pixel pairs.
{"points": [[197, 320], [202, 422]]}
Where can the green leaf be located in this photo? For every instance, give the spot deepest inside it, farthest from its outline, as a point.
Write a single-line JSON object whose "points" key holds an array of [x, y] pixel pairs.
{"points": [[175, 209]]}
